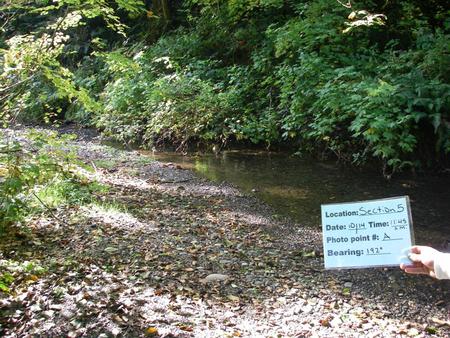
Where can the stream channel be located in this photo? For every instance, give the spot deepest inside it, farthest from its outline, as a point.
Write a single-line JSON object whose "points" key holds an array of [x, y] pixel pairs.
{"points": [[296, 187]]}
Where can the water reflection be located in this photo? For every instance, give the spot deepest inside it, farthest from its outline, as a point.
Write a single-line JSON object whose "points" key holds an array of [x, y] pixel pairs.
{"points": [[297, 187]]}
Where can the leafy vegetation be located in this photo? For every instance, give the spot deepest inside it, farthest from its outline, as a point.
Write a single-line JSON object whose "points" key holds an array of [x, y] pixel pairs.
{"points": [[26, 270], [366, 80], [38, 175]]}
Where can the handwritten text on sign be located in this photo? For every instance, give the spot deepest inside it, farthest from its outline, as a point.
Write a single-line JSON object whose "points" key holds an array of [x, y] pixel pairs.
{"points": [[367, 234]]}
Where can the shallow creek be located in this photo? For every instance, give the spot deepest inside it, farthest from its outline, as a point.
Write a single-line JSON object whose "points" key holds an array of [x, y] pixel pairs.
{"points": [[297, 187]]}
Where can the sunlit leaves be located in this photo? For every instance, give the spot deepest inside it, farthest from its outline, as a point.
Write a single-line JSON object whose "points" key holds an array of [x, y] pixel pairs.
{"points": [[364, 18], [26, 167]]}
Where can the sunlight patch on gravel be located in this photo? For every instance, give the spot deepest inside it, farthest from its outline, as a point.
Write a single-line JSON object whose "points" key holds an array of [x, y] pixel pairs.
{"points": [[104, 177], [115, 217], [126, 181]]}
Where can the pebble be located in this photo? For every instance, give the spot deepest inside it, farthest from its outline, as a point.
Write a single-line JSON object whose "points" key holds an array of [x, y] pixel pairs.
{"points": [[56, 307], [307, 308], [215, 277], [336, 322], [413, 332], [67, 314], [35, 308], [115, 331], [49, 313]]}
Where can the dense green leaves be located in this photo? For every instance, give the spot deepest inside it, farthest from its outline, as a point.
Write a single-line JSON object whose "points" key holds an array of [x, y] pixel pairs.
{"points": [[24, 168], [35, 82], [38, 172], [366, 82]]}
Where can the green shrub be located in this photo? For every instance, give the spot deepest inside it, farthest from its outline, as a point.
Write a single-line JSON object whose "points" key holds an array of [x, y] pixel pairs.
{"points": [[161, 100], [39, 169], [365, 83]]}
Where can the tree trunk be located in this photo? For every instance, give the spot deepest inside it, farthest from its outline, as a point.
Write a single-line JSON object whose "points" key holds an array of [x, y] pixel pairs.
{"points": [[161, 8]]}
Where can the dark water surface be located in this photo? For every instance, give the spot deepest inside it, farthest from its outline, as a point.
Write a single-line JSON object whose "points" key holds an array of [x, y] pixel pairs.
{"points": [[296, 187]]}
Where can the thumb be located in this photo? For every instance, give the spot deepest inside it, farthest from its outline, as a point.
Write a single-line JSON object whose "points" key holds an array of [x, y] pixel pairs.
{"points": [[416, 249], [415, 257], [415, 253]]}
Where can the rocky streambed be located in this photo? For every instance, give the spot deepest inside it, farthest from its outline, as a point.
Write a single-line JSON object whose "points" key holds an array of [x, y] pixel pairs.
{"points": [[165, 253]]}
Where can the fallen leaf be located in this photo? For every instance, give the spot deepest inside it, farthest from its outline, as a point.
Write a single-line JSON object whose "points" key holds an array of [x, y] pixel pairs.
{"points": [[440, 322], [186, 328], [431, 330], [325, 322], [233, 298], [151, 331], [346, 291]]}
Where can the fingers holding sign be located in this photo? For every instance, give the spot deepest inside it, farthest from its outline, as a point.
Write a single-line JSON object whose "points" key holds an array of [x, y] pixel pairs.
{"points": [[422, 258]]}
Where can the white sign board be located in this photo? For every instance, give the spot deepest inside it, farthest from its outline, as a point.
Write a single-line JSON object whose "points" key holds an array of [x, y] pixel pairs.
{"points": [[367, 234]]}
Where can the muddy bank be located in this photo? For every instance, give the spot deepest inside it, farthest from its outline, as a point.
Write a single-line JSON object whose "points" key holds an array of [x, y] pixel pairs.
{"points": [[137, 264]]}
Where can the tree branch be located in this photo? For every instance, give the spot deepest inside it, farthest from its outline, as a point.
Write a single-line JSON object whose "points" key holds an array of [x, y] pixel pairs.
{"points": [[58, 25], [347, 5], [48, 208], [5, 89]]}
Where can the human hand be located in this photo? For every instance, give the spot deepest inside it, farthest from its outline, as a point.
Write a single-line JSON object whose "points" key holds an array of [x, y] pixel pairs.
{"points": [[422, 258]]}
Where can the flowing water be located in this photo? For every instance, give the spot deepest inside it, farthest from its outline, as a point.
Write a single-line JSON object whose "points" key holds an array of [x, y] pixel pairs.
{"points": [[297, 187]]}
